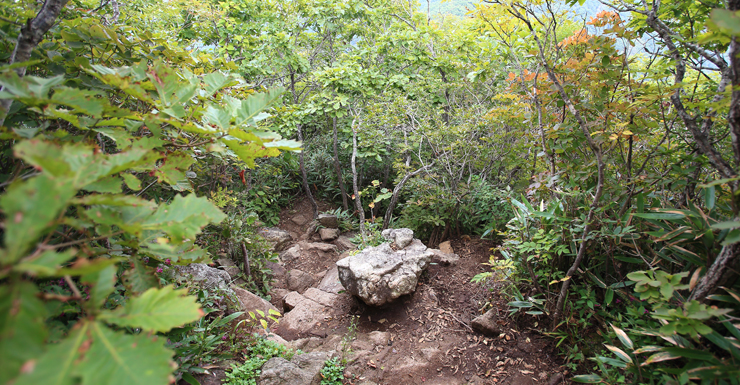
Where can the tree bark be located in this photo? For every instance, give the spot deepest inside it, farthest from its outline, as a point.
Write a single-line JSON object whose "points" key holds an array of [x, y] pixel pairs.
{"points": [[397, 192], [725, 261], [358, 200], [304, 177], [31, 35], [338, 167]]}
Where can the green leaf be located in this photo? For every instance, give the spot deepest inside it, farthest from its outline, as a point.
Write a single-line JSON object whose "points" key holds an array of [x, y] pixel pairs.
{"points": [[56, 365], [46, 264], [731, 237], [251, 107], [184, 217], [216, 81], [22, 330], [620, 353], [83, 101], [727, 225], [174, 168], [131, 181], [709, 197], [140, 277], [182, 254], [103, 282], [30, 208], [587, 379], [659, 216], [111, 184], [726, 19], [116, 358], [156, 310], [114, 200]]}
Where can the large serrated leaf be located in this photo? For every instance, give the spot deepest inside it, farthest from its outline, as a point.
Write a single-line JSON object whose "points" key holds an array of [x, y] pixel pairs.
{"points": [[44, 265], [22, 330], [114, 200], [30, 207], [55, 367], [116, 358], [250, 110], [140, 277], [157, 310], [184, 217]]}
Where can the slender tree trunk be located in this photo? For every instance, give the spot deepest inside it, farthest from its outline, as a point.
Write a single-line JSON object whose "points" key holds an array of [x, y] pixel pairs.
{"points": [[31, 35], [304, 177], [595, 149], [358, 200], [397, 192], [248, 270], [338, 167]]}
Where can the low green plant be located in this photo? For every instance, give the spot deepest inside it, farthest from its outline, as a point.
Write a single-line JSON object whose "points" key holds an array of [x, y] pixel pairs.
{"points": [[332, 373], [346, 345], [256, 354]]}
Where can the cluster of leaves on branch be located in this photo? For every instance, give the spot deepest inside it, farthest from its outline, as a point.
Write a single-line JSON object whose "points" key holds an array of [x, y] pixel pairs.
{"points": [[105, 119]]}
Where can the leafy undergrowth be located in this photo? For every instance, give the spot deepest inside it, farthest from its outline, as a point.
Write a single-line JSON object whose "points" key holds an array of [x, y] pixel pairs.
{"points": [[259, 352]]}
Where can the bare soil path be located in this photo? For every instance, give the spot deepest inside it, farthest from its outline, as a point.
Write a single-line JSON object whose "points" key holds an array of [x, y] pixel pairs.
{"points": [[426, 337]]}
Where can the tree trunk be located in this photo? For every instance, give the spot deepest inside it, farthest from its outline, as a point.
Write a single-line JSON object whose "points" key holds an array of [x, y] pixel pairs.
{"points": [[724, 262], [397, 192], [338, 168], [358, 200], [31, 35], [304, 177]]}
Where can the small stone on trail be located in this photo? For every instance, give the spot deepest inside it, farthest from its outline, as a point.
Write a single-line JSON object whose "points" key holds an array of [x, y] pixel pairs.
{"points": [[322, 297], [230, 267], [446, 247], [303, 319], [302, 369], [329, 221], [325, 247], [399, 237], [343, 244], [486, 324], [291, 300], [330, 283], [444, 259], [300, 281], [292, 253], [299, 220], [279, 239], [328, 235]]}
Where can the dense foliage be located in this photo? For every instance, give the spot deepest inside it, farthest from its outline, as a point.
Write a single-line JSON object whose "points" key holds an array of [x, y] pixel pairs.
{"points": [[601, 152]]}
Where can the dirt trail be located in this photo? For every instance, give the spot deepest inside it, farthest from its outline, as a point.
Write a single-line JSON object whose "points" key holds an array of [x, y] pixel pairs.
{"points": [[425, 337]]}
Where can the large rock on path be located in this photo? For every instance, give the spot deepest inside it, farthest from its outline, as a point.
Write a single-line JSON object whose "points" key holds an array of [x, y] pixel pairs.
{"points": [[252, 302], [328, 235], [207, 276], [300, 280], [329, 221], [378, 275], [302, 319], [303, 369], [279, 239], [331, 283]]}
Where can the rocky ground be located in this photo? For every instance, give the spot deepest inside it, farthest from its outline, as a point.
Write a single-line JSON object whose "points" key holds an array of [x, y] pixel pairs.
{"points": [[435, 335]]}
